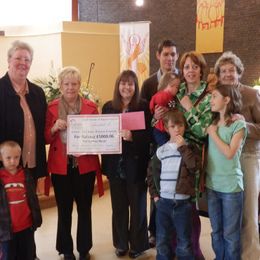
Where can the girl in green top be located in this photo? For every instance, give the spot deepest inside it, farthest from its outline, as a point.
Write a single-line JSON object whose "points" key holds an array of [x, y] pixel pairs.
{"points": [[224, 179]]}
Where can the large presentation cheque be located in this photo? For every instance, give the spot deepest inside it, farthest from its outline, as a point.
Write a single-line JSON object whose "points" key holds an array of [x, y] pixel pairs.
{"points": [[94, 134]]}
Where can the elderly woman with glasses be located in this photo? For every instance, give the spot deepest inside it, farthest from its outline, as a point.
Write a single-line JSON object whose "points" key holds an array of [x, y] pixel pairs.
{"points": [[22, 110], [23, 107]]}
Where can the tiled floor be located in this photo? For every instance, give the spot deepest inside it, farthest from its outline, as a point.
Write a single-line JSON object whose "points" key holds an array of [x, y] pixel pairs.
{"points": [[102, 238]]}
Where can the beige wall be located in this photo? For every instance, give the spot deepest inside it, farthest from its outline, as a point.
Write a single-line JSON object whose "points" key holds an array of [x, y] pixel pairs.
{"points": [[70, 43], [84, 43], [45, 43]]}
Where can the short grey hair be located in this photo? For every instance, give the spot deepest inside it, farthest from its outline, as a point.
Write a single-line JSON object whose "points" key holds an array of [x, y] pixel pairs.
{"points": [[231, 58], [19, 45]]}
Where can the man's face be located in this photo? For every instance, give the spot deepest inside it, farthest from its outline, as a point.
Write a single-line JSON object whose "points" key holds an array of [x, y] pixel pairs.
{"points": [[167, 58]]}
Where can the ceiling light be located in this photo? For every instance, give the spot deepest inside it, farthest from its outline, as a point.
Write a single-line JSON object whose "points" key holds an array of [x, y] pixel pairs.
{"points": [[139, 2]]}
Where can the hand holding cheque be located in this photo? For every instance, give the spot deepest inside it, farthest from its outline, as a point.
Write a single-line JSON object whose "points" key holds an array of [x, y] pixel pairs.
{"points": [[101, 134]]}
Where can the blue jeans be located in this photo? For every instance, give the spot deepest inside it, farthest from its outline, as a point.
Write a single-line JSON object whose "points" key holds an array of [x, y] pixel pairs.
{"points": [[173, 215], [225, 213], [4, 250]]}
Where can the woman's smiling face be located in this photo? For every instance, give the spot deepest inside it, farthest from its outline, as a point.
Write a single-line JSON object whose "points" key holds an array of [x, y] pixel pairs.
{"points": [[228, 74], [191, 71], [127, 89]]}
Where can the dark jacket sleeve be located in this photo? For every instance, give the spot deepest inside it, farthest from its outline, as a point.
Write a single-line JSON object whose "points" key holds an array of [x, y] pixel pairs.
{"points": [[190, 165], [135, 154], [109, 162], [33, 200], [5, 217], [153, 176], [191, 157], [149, 87], [12, 119]]}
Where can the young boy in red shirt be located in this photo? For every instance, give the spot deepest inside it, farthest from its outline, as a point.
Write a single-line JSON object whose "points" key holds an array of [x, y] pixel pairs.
{"points": [[19, 206]]}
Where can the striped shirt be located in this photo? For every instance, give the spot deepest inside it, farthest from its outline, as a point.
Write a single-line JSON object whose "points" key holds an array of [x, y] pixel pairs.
{"points": [[170, 159]]}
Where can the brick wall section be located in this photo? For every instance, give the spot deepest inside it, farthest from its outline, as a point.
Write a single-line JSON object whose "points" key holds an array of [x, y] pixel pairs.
{"points": [[176, 20]]}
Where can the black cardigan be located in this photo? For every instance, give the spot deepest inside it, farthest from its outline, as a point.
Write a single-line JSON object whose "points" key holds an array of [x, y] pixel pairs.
{"points": [[135, 155], [12, 118]]}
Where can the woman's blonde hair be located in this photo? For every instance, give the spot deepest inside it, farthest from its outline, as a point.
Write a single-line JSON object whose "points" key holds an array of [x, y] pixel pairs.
{"points": [[166, 79], [69, 71]]}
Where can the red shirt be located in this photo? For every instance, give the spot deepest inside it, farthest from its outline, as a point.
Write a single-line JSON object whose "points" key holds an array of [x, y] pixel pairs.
{"points": [[16, 195], [164, 99]]}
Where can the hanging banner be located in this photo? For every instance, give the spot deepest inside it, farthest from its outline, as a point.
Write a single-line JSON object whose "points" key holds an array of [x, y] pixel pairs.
{"points": [[210, 26], [134, 48]]}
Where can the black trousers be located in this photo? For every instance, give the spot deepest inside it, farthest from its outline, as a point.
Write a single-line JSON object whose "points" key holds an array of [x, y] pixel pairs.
{"points": [[21, 246], [129, 219], [69, 188]]}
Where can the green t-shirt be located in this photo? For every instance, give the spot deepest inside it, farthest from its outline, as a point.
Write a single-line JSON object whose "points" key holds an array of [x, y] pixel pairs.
{"points": [[225, 175]]}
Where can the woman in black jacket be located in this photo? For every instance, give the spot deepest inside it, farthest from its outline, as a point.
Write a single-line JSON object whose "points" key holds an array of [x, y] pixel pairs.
{"points": [[127, 171], [22, 109]]}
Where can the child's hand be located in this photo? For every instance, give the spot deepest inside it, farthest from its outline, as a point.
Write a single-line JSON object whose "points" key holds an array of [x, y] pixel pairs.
{"points": [[179, 140], [156, 199], [212, 129], [236, 117], [159, 112]]}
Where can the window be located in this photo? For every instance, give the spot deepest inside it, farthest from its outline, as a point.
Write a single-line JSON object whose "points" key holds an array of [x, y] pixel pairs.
{"points": [[32, 12]]}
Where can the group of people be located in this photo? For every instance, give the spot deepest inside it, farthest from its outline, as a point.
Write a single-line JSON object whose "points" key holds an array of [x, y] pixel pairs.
{"points": [[27, 125], [199, 136], [221, 120]]}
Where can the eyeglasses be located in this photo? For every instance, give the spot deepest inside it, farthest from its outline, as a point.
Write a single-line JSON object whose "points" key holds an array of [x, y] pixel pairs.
{"points": [[225, 71]]}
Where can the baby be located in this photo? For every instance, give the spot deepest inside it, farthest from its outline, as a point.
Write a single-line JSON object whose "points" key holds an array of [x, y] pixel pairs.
{"points": [[165, 97]]}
